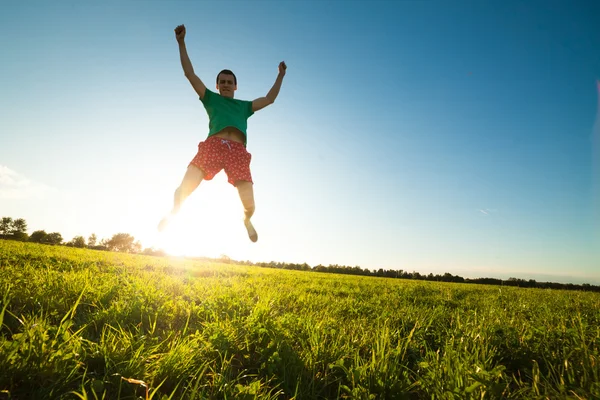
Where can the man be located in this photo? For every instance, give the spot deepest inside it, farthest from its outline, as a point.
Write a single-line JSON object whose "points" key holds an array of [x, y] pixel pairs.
{"points": [[225, 146]]}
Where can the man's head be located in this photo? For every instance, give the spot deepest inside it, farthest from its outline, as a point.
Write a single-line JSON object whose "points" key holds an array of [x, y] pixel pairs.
{"points": [[226, 83]]}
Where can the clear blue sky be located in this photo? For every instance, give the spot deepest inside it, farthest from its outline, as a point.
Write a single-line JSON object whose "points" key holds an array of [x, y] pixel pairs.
{"points": [[424, 135]]}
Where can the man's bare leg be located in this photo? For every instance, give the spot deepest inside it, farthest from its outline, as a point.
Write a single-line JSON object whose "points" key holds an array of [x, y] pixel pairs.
{"points": [[246, 192], [190, 182]]}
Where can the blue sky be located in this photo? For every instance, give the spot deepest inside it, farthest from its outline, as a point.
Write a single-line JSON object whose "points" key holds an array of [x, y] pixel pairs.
{"points": [[425, 135]]}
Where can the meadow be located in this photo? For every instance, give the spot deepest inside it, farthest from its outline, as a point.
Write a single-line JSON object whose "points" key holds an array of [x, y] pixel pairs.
{"points": [[87, 324]]}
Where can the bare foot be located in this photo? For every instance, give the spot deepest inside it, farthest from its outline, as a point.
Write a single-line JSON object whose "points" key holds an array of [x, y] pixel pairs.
{"points": [[251, 231]]}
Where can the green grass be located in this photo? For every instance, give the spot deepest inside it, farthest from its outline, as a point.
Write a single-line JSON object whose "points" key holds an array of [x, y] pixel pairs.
{"points": [[78, 324]]}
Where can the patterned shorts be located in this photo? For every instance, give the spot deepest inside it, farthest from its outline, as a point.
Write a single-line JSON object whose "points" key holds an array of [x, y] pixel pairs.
{"points": [[215, 154]]}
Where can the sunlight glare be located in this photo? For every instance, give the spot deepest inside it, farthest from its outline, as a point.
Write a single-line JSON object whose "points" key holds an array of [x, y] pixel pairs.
{"points": [[209, 218]]}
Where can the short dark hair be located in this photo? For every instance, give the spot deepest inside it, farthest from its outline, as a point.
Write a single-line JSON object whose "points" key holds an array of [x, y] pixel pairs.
{"points": [[227, 72]]}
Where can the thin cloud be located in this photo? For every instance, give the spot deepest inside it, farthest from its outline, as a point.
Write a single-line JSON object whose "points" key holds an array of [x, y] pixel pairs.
{"points": [[487, 211], [15, 186]]}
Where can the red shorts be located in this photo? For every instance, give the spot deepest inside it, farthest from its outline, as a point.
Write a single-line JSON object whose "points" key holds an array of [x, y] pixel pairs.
{"points": [[215, 154]]}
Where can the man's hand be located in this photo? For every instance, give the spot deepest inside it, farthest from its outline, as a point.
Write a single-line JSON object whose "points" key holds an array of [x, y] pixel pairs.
{"points": [[180, 33], [282, 68]]}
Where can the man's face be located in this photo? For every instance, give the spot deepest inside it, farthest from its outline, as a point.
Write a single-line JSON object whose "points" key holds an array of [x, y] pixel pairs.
{"points": [[226, 85]]}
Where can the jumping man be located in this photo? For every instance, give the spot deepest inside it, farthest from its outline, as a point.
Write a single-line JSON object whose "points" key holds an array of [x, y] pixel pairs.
{"points": [[225, 146]]}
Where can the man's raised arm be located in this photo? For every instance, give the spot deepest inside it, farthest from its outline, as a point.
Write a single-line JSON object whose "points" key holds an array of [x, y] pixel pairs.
{"points": [[188, 70], [262, 102]]}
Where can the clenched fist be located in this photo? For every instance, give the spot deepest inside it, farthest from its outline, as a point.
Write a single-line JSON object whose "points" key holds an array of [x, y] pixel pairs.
{"points": [[180, 33], [282, 68]]}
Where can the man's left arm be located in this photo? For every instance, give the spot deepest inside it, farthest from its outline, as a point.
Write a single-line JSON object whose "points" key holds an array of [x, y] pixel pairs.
{"points": [[262, 102]]}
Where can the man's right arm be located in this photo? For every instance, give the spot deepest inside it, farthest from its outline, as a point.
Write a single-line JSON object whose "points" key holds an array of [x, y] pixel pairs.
{"points": [[186, 64]]}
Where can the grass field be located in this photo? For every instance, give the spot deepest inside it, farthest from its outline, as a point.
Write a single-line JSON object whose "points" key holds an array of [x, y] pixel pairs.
{"points": [[84, 324]]}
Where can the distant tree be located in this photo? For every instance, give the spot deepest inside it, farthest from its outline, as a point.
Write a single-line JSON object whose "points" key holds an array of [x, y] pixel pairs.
{"points": [[154, 252], [515, 282], [102, 245], [5, 226], [532, 283], [39, 237], [320, 268], [54, 238], [92, 240], [122, 242], [20, 236], [415, 275], [137, 247], [19, 230], [19, 225], [13, 229], [77, 241], [303, 267]]}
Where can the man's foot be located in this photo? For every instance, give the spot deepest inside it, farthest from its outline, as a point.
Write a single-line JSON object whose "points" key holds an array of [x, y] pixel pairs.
{"points": [[251, 231]]}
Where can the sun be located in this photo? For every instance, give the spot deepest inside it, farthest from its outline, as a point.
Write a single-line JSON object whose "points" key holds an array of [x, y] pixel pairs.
{"points": [[209, 224], [209, 219]]}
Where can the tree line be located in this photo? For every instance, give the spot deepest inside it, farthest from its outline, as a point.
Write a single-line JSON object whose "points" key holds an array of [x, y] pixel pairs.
{"points": [[401, 274], [16, 229]]}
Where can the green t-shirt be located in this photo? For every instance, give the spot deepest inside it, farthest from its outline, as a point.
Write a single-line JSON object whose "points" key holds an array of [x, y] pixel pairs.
{"points": [[224, 111]]}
